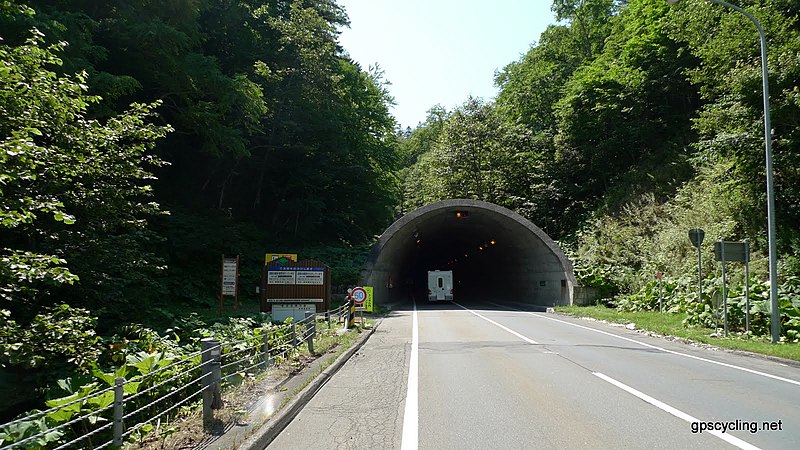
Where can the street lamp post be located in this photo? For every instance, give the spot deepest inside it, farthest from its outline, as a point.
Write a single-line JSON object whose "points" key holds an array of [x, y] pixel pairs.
{"points": [[775, 325]]}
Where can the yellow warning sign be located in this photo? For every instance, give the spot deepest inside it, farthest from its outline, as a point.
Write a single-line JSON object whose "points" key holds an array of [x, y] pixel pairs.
{"points": [[368, 303]]}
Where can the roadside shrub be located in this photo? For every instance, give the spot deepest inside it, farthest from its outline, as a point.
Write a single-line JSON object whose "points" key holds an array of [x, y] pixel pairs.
{"points": [[676, 293], [599, 277], [154, 364], [680, 295], [58, 336]]}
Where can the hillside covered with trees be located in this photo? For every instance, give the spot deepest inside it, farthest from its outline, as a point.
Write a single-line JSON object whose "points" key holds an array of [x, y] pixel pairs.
{"points": [[622, 127], [140, 140]]}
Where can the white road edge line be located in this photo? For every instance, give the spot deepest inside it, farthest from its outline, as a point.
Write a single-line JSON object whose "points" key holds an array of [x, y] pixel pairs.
{"points": [[699, 358], [733, 440], [410, 439], [526, 339], [719, 363]]}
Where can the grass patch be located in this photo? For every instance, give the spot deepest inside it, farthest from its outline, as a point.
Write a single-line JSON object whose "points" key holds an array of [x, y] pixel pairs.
{"points": [[672, 324]]}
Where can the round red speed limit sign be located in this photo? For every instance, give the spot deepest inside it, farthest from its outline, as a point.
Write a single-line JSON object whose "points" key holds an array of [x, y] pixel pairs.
{"points": [[359, 295]]}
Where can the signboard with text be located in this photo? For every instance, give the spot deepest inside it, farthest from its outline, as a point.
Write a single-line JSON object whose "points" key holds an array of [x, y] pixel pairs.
{"points": [[297, 282], [280, 276], [315, 276], [230, 275], [368, 303]]}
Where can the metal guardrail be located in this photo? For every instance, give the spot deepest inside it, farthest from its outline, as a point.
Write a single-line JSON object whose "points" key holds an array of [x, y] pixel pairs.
{"points": [[186, 380]]}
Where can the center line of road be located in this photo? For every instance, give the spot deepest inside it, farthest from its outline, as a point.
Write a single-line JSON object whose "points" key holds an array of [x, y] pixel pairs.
{"points": [[675, 412], [526, 339], [410, 439]]}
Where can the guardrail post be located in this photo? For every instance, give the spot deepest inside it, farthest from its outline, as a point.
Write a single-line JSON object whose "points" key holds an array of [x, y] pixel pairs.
{"points": [[265, 350], [328, 318], [212, 374], [119, 411], [294, 335], [346, 313], [311, 322]]}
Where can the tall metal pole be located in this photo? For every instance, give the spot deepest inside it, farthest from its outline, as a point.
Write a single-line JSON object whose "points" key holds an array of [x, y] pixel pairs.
{"points": [[724, 290], [775, 325]]}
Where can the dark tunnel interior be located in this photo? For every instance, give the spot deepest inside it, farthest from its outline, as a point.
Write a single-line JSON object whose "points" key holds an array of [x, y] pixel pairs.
{"points": [[472, 250], [495, 255]]}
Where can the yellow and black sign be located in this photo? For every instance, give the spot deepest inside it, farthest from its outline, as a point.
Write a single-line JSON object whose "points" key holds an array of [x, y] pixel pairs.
{"points": [[282, 258]]}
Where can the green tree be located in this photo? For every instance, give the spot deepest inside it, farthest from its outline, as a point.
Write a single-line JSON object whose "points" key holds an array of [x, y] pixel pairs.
{"points": [[418, 186], [530, 87], [616, 114], [476, 155], [589, 22], [730, 123], [70, 184], [273, 123], [76, 198]]}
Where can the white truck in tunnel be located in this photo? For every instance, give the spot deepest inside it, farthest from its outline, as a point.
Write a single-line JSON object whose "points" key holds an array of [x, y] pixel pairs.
{"points": [[440, 285]]}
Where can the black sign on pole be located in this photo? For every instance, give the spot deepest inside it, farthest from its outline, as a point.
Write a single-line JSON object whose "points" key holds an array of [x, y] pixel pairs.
{"points": [[720, 256], [733, 251], [736, 251], [696, 235]]}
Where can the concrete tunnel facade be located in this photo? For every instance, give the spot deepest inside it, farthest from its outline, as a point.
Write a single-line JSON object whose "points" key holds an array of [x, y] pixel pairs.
{"points": [[495, 255]]}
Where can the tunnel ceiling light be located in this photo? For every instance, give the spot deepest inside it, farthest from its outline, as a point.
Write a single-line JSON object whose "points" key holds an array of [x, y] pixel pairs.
{"points": [[480, 248], [493, 242], [461, 214]]}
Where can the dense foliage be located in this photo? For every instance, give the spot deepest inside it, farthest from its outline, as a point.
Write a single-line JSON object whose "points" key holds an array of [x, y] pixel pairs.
{"points": [[141, 140], [273, 124], [626, 124], [155, 367]]}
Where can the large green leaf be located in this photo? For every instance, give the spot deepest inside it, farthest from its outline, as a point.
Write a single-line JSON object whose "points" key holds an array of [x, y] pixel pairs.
{"points": [[65, 413], [100, 401]]}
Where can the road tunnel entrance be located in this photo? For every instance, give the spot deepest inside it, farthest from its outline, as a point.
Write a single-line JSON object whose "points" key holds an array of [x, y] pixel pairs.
{"points": [[494, 253]]}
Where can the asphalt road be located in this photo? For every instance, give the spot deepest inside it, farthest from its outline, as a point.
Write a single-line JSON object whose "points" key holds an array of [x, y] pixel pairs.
{"points": [[485, 376]]}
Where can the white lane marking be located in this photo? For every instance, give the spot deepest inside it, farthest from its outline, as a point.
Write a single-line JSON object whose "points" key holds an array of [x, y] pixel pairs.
{"points": [[410, 439], [526, 339], [732, 366], [675, 412]]}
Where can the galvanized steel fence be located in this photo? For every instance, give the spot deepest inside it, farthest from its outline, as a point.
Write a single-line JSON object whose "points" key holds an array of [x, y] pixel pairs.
{"points": [[137, 406]]}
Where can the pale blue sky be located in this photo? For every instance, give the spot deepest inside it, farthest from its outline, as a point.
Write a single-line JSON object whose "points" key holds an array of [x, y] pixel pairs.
{"points": [[441, 51]]}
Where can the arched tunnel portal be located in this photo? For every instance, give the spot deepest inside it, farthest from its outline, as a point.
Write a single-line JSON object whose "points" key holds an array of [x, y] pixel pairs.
{"points": [[495, 255]]}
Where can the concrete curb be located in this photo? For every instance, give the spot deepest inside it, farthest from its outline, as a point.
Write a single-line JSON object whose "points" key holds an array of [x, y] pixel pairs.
{"points": [[265, 434]]}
